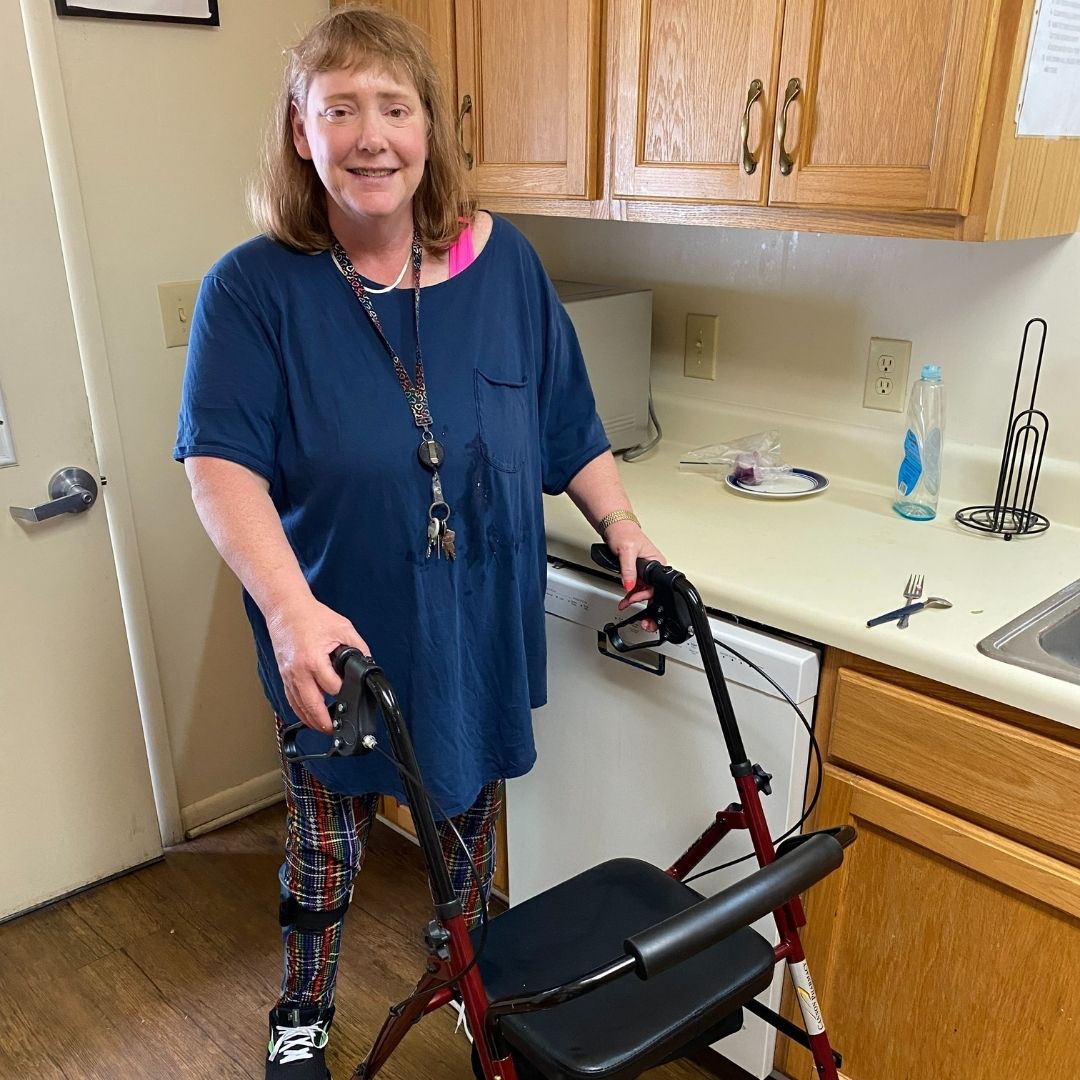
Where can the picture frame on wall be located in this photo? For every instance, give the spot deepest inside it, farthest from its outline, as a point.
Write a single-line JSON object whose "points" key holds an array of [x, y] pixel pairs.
{"points": [[191, 12]]}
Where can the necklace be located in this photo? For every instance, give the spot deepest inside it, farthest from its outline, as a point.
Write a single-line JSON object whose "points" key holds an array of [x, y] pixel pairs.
{"points": [[397, 280], [439, 535]]}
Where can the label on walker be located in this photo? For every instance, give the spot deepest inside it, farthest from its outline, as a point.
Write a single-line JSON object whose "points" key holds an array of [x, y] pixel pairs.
{"points": [[808, 1003]]}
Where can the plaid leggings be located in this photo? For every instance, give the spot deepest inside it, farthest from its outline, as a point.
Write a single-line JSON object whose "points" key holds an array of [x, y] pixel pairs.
{"points": [[325, 845]]}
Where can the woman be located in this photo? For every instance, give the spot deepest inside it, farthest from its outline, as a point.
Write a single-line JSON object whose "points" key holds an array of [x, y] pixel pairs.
{"points": [[379, 389]]}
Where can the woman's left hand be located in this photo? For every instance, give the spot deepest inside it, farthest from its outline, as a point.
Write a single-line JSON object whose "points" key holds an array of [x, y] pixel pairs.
{"points": [[628, 543]]}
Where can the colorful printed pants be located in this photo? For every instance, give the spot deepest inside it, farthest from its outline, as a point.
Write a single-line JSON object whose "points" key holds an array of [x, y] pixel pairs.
{"points": [[325, 846]]}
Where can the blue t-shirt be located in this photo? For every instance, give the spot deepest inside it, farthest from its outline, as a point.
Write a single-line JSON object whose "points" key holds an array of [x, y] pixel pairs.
{"points": [[287, 377]]}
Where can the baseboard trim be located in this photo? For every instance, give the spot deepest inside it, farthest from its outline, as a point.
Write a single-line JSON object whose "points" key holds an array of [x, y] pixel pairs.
{"points": [[716, 1065], [230, 805]]}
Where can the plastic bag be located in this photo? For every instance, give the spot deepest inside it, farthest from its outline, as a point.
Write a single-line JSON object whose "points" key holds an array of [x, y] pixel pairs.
{"points": [[751, 459]]}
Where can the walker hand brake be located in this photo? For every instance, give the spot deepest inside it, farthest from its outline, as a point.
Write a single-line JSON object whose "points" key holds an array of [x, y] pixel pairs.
{"points": [[353, 712], [667, 608]]}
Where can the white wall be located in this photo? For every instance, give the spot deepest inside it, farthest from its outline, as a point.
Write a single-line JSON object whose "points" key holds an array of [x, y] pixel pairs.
{"points": [[797, 311], [166, 123]]}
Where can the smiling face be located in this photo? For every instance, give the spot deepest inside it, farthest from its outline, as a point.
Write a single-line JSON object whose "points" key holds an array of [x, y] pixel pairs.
{"points": [[365, 132]]}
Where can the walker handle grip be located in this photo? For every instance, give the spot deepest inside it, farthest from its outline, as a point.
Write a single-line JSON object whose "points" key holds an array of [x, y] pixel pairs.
{"points": [[668, 608], [604, 557], [353, 712]]}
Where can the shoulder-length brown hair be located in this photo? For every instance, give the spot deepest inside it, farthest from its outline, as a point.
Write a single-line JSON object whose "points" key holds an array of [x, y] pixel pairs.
{"points": [[288, 200]]}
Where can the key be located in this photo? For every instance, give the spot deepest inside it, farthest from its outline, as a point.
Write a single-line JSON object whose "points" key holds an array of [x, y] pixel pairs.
{"points": [[447, 541], [434, 528]]}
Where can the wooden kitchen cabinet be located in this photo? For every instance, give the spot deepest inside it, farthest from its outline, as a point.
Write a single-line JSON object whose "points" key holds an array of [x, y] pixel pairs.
{"points": [[903, 123], [693, 94], [886, 103], [525, 82], [528, 94], [900, 119], [436, 19], [945, 945], [880, 102]]}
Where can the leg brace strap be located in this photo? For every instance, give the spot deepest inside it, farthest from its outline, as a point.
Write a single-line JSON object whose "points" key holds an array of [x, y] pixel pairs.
{"points": [[295, 917]]}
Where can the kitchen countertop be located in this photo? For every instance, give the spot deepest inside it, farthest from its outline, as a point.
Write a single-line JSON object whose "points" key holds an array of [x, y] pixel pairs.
{"points": [[820, 566]]}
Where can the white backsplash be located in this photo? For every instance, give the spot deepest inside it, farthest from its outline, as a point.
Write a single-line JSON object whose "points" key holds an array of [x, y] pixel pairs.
{"points": [[797, 311]]}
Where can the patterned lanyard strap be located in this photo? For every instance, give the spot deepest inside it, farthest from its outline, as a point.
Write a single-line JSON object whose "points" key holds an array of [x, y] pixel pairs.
{"points": [[440, 537], [414, 389]]}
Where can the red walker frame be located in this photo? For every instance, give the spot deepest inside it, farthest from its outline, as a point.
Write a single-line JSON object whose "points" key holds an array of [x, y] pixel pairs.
{"points": [[679, 613]]}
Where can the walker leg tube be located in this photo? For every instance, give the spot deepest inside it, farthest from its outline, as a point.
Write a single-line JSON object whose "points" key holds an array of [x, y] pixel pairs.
{"points": [[474, 998], [824, 1061], [397, 1025]]}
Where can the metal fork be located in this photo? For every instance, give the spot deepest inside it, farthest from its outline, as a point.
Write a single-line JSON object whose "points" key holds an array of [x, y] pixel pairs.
{"points": [[912, 591]]}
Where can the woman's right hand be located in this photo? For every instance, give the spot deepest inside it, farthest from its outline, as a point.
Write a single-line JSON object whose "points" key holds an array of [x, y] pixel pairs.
{"points": [[304, 634]]}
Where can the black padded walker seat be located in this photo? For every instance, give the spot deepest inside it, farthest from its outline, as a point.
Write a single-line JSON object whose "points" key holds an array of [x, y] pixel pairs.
{"points": [[620, 1030]]}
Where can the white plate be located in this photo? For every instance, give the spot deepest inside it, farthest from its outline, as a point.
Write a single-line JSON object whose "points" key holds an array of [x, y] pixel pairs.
{"points": [[792, 485]]}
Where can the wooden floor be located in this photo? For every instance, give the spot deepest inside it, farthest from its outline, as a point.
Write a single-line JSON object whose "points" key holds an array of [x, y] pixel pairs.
{"points": [[168, 972]]}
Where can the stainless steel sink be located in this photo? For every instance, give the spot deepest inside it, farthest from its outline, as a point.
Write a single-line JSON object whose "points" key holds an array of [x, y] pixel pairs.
{"points": [[1046, 638]]}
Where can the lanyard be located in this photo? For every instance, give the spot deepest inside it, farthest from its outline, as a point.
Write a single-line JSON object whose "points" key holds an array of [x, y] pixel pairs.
{"points": [[414, 389], [440, 537]]}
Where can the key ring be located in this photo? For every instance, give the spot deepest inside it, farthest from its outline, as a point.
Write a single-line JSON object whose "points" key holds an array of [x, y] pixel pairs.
{"points": [[435, 517]]}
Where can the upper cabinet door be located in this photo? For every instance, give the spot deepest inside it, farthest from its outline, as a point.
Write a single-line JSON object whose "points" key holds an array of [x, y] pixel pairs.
{"points": [[695, 83], [887, 105], [436, 19], [528, 95]]}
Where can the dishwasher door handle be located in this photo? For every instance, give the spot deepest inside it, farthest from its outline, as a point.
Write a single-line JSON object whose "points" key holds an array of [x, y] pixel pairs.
{"points": [[603, 647]]}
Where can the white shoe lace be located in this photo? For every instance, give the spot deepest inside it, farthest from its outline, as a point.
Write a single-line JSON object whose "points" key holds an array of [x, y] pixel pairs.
{"points": [[296, 1043], [462, 1019]]}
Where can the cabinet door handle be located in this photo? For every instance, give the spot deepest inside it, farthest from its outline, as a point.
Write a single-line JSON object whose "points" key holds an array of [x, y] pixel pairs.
{"points": [[794, 88], [466, 107], [749, 162]]}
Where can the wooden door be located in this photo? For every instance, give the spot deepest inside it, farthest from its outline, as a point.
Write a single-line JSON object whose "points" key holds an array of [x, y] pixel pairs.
{"points": [[683, 76], [889, 102], [75, 797], [528, 95], [940, 949]]}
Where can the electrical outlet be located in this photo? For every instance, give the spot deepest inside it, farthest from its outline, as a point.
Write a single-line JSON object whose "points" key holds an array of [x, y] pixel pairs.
{"points": [[702, 339], [887, 374], [177, 300]]}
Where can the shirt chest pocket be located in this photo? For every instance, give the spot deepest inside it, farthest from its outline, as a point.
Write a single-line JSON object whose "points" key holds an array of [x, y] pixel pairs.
{"points": [[503, 414]]}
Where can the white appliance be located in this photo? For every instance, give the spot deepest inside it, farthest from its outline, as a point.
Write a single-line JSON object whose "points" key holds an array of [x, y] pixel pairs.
{"points": [[614, 328], [632, 763]]}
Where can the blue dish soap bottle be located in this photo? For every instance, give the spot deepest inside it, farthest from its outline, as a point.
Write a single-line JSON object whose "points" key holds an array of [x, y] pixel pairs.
{"points": [[918, 482]]}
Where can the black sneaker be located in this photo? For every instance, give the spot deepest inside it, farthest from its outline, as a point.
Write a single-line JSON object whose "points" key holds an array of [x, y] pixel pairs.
{"points": [[298, 1038]]}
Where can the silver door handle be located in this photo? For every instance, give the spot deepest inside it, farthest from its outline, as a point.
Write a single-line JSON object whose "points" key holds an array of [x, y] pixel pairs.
{"points": [[71, 491]]}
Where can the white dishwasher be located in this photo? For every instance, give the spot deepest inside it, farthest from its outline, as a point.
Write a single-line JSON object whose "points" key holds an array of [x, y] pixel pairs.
{"points": [[632, 762]]}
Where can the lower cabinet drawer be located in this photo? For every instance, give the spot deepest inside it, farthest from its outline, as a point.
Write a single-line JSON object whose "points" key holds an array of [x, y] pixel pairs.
{"points": [[1020, 783]]}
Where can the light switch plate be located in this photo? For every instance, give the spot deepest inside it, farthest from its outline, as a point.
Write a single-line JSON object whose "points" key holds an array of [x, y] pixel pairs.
{"points": [[887, 367], [702, 339], [177, 299], [7, 443]]}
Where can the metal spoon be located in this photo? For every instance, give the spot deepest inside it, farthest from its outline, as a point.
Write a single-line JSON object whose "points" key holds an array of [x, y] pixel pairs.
{"points": [[899, 613], [930, 601]]}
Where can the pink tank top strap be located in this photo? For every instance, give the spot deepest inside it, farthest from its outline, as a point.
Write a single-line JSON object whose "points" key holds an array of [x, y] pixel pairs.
{"points": [[461, 252]]}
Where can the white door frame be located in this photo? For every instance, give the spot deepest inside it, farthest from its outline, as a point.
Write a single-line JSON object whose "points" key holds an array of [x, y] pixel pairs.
{"points": [[82, 287]]}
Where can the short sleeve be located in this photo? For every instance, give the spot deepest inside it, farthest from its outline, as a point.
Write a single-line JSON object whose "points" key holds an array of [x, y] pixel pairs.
{"points": [[233, 392], [571, 433]]}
